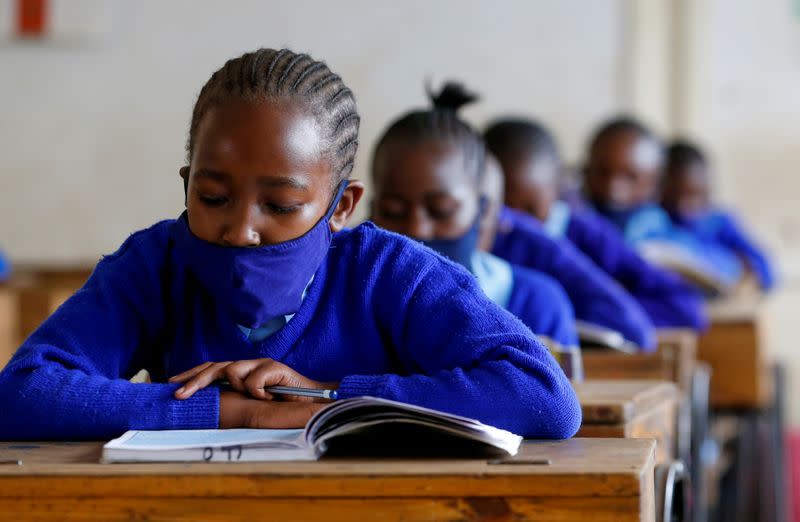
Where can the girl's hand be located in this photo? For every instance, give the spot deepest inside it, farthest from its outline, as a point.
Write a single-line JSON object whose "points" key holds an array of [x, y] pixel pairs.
{"points": [[249, 377], [240, 411]]}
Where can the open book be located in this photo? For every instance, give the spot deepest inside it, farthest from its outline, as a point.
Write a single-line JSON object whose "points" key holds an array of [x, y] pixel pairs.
{"points": [[593, 335], [363, 426], [712, 276]]}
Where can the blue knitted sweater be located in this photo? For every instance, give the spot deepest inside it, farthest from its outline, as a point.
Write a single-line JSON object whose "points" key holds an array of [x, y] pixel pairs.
{"points": [[383, 316]]}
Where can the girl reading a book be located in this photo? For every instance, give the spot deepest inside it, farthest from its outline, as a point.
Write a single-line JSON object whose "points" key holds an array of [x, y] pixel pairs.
{"points": [[259, 283]]}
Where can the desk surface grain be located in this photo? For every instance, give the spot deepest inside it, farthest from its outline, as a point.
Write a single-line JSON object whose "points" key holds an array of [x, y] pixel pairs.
{"points": [[586, 479]]}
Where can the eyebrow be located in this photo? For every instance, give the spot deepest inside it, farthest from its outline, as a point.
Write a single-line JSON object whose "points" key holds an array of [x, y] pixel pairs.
{"points": [[264, 181], [282, 181]]}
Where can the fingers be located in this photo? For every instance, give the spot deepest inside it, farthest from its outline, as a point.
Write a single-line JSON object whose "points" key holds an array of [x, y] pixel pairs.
{"points": [[181, 377], [200, 380], [239, 374], [268, 373]]}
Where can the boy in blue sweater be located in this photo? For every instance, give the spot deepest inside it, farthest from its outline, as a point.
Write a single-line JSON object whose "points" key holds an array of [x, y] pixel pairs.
{"points": [[259, 284], [531, 167], [623, 174], [686, 197], [426, 170]]}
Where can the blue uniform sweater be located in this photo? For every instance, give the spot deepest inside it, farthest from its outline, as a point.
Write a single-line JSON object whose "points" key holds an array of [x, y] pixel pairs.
{"points": [[383, 316], [541, 303], [595, 297], [666, 297], [723, 228]]}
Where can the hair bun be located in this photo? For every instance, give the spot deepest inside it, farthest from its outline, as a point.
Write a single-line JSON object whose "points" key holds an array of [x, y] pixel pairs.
{"points": [[452, 96]]}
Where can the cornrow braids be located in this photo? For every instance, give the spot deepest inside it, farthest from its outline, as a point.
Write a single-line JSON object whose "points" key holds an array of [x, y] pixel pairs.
{"points": [[268, 74], [512, 139], [440, 123]]}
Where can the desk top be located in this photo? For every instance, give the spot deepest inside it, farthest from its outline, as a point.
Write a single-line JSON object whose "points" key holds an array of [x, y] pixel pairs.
{"points": [[614, 402], [577, 467]]}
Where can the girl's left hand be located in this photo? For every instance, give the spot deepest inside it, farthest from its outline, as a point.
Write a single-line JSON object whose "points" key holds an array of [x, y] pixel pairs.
{"points": [[250, 377]]}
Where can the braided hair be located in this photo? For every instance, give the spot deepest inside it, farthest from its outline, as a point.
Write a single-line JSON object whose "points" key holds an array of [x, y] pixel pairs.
{"points": [[440, 123], [268, 74]]}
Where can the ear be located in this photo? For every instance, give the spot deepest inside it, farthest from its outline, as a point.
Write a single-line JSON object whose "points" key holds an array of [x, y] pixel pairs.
{"points": [[347, 205], [184, 173]]}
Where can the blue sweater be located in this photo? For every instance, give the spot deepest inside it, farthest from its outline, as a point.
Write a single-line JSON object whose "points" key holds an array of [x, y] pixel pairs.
{"points": [[650, 222], [541, 303], [722, 228], [668, 300], [383, 316], [5, 267], [595, 296]]}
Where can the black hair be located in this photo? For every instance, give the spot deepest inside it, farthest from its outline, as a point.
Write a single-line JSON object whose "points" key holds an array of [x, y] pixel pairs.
{"points": [[623, 124], [517, 138], [681, 154], [269, 74], [440, 123]]}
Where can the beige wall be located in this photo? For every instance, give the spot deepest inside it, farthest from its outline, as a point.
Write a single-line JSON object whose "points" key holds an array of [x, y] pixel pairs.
{"points": [[91, 138]]}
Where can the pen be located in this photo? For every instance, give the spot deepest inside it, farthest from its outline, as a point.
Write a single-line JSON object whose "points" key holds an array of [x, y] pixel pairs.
{"points": [[303, 392], [300, 392]]}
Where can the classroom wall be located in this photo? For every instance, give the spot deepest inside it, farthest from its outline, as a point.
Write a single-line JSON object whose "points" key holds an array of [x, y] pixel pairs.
{"points": [[92, 134]]}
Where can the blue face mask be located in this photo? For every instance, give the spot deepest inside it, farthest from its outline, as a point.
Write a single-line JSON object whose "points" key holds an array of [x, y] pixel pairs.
{"points": [[460, 249], [258, 284]]}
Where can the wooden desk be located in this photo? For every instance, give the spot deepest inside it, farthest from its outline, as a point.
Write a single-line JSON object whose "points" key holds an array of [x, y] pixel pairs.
{"points": [[736, 349], [631, 409], [673, 361], [38, 290], [587, 479], [8, 324]]}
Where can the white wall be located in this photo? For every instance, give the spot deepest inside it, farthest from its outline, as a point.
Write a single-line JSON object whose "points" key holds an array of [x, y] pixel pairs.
{"points": [[91, 138]]}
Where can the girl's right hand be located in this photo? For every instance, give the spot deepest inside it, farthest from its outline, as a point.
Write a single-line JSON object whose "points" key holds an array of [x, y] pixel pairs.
{"points": [[240, 411]]}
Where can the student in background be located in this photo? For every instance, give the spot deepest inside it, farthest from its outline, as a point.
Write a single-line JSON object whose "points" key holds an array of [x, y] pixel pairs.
{"points": [[260, 284], [5, 267], [623, 174], [595, 297], [531, 166], [426, 171], [686, 197]]}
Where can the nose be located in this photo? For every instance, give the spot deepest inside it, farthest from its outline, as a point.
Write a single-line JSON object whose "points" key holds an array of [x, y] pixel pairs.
{"points": [[419, 225], [241, 231]]}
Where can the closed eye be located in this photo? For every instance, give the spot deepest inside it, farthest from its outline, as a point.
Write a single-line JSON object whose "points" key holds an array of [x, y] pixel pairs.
{"points": [[277, 209], [213, 201]]}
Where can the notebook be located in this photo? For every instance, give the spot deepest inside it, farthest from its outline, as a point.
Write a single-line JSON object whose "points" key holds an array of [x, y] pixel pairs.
{"points": [[595, 336], [363, 426], [698, 271]]}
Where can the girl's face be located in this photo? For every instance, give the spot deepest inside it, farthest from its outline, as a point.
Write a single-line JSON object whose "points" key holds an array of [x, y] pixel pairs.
{"points": [[258, 175], [624, 170], [422, 190]]}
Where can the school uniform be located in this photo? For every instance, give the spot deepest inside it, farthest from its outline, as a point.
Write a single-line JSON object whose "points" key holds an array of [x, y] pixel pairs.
{"points": [[722, 228], [595, 297], [5, 267], [668, 300], [650, 223], [382, 316], [535, 298]]}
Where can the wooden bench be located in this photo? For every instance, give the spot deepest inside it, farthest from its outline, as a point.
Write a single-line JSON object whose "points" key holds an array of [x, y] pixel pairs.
{"points": [[595, 480]]}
